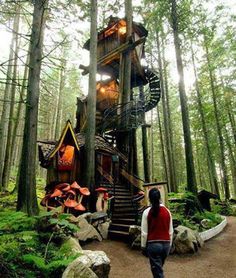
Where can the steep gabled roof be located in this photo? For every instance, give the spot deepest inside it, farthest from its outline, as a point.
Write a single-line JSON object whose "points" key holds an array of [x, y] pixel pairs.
{"points": [[47, 149], [68, 130]]}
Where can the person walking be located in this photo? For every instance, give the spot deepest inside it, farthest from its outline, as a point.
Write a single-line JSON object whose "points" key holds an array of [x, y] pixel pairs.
{"points": [[156, 233]]}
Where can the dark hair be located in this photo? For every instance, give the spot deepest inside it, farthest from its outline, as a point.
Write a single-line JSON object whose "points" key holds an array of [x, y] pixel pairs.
{"points": [[154, 197]]}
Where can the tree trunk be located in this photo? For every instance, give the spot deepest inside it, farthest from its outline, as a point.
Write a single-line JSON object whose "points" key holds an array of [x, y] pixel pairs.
{"points": [[163, 152], [232, 161], [60, 93], [91, 122], [211, 164], [27, 198], [171, 171], [146, 159], [170, 126], [7, 102], [19, 112], [9, 146], [218, 125], [191, 179]]}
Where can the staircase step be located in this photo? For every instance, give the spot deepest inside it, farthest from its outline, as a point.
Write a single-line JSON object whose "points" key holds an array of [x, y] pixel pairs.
{"points": [[124, 209], [119, 227], [125, 201], [123, 205], [128, 221], [117, 194], [118, 235], [123, 215]]}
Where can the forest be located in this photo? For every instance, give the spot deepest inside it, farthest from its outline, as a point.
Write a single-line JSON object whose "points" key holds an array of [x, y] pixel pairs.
{"points": [[50, 66]]}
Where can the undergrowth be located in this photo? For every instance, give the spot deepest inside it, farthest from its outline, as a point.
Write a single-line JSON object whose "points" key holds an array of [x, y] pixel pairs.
{"points": [[27, 250], [186, 211]]}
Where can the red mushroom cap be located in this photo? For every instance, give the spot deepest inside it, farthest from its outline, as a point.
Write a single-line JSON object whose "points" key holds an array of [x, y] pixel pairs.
{"points": [[106, 196], [71, 192], [70, 203], [56, 193], [84, 191], [80, 207], [101, 189], [75, 185], [67, 188], [61, 185]]}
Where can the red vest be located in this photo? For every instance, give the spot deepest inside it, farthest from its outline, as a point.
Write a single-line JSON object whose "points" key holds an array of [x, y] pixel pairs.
{"points": [[158, 227]]}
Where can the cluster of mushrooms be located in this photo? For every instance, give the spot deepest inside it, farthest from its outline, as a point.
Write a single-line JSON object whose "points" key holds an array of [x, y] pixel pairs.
{"points": [[68, 196]]}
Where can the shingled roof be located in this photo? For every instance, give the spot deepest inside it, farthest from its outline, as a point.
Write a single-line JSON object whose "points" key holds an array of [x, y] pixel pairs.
{"points": [[46, 148]]}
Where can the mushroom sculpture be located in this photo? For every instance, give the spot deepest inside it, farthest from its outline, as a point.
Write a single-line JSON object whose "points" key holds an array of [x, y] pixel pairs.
{"points": [[101, 204]]}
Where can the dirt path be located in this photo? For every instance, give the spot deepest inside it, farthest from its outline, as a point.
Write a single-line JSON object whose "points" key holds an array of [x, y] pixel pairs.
{"points": [[217, 259]]}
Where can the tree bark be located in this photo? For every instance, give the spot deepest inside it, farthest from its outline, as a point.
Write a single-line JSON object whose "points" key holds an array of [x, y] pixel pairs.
{"points": [[7, 103], [60, 93], [163, 152], [27, 198], [9, 146], [211, 164], [91, 122], [191, 178], [171, 168], [218, 125]]}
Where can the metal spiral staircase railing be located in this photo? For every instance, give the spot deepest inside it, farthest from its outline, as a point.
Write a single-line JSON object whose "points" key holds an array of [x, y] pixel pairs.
{"points": [[131, 113]]}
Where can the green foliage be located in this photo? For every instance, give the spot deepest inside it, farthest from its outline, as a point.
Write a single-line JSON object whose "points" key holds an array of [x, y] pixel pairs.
{"points": [[193, 220], [22, 250], [15, 222], [223, 208]]}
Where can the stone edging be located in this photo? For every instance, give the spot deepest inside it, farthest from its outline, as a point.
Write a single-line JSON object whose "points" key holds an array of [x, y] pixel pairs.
{"points": [[206, 235]]}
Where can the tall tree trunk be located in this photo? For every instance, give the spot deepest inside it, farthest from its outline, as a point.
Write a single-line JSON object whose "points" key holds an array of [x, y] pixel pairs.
{"points": [[218, 125], [163, 151], [191, 178], [7, 102], [9, 146], [171, 171], [19, 112], [27, 197], [211, 164], [146, 160], [91, 122], [125, 84], [232, 161], [167, 101], [60, 93]]}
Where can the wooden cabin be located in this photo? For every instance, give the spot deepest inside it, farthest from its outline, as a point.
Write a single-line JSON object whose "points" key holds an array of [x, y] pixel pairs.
{"points": [[64, 159], [112, 42]]}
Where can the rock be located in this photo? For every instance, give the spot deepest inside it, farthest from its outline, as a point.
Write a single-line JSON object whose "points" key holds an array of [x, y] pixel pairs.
{"points": [[136, 244], [87, 231], [70, 247], [186, 240], [78, 270], [94, 263], [135, 235], [206, 223], [103, 229]]}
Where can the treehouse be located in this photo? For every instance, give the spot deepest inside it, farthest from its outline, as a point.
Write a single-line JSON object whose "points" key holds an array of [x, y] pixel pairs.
{"points": [[117, 118], [112, 42]]}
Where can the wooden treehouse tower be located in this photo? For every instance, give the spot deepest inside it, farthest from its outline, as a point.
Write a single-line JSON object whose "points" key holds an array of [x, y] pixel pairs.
{"points": [[118, 115]]}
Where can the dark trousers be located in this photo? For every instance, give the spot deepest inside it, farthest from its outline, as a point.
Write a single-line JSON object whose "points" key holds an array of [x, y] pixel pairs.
{"points": [[157, 253]]}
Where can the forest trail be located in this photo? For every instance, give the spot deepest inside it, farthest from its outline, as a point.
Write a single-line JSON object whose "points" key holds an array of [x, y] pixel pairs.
{"points": [[217, 259]]}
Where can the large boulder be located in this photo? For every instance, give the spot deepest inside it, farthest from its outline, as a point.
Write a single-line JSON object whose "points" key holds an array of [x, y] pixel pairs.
{"points": [[70, 247], [93, 263], [103, 229], [87, 231], [186, 240]]}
